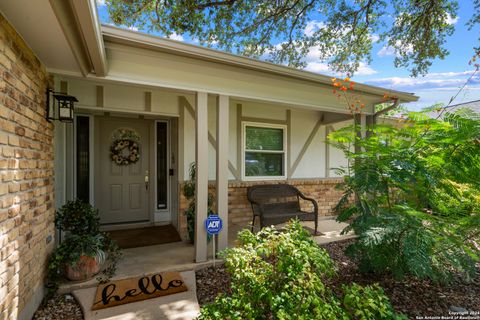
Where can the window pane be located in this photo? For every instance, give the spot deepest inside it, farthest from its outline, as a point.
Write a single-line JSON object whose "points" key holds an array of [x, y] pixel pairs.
{"points": [[258, 138], [263, 164], [83, 159], [162, 178]]}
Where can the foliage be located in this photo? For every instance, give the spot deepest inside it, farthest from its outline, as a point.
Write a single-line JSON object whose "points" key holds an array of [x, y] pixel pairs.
{"points": [[342, 35], [370, 302], [189, 193], [279, 275], [77, 217], [81, 223], [416, 189]]}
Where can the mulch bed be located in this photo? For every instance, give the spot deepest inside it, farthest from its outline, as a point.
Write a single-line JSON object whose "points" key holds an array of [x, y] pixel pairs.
{"points": [[60, 307], [411, 297]]}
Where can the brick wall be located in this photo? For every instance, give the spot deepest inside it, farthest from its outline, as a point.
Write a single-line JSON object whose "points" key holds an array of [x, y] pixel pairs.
{"points": [[26, 175], [239, 209]]}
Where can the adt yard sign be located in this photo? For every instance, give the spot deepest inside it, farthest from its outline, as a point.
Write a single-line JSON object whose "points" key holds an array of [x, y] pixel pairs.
{"points": [[213, 224]]}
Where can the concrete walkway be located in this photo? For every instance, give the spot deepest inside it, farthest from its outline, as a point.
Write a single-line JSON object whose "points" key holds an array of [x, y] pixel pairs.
{"points": [[177, 256], [179, 306]]}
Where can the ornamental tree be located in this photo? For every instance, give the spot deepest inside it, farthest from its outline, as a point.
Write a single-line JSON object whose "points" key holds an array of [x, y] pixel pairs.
{"points": [[342, 32]]}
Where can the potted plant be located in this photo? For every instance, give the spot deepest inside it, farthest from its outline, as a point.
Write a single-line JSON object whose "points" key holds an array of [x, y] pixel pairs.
{"points": [[189, 193], [84, 250]]}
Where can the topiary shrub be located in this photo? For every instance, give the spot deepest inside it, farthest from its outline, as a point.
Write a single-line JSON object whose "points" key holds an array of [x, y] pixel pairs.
{"points": [[279, 275]]}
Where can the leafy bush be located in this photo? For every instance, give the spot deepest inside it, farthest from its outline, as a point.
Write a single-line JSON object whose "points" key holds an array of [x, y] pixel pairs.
{"points": [[416, 190], [365, 303], [77, 217], [279, 275]]}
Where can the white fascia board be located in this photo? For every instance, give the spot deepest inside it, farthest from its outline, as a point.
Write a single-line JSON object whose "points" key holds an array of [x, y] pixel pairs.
{"points": [[89, 25]]}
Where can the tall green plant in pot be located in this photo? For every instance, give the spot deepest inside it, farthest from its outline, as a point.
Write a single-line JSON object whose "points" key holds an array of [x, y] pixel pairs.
{"points": [[189, 193], [84, 250]]}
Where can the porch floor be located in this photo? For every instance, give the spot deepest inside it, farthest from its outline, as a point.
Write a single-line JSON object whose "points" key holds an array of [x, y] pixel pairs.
{"points": [[179, 256]]}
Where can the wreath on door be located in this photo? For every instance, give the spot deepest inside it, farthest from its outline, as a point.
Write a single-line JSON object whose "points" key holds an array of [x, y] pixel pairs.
{"points": [[125, 149]]}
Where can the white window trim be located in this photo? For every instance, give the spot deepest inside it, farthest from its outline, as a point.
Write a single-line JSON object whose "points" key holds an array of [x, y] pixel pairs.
{"points": [[243, 141]]}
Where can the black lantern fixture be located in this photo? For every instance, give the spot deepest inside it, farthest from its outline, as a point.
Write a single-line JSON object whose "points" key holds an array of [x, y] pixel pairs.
{"points": [[60, 106]]}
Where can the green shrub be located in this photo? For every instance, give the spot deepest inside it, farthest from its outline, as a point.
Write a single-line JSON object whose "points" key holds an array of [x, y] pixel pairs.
{"points": [[279, 275], [366, 303], [416, 197]]}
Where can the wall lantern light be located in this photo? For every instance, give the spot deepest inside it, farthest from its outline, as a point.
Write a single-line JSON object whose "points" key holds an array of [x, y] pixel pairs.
{"points": [[60, 106]]}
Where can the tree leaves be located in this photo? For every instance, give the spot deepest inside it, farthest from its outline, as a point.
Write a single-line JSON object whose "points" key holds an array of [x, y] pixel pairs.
{"points": [[417, 192], [283, 32]]}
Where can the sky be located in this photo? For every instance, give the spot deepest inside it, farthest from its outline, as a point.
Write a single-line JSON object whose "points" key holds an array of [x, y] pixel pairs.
{"points": [[443, 81]]}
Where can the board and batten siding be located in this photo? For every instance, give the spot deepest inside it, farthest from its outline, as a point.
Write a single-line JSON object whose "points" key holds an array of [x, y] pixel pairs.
{"points": [[308, 156], [307, 150]]}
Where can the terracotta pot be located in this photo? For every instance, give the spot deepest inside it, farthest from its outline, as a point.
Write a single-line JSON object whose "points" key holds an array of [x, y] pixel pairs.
{"points": [[86, 268]]}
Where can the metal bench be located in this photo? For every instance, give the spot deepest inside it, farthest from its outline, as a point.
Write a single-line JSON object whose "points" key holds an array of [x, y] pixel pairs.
{"points": [[279, 203]]}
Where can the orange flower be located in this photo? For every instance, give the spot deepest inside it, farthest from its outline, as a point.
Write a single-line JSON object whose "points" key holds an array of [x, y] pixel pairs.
{"points": [[343, 88], [347, 79], [334, 79], [336, 84], [362, 105]]}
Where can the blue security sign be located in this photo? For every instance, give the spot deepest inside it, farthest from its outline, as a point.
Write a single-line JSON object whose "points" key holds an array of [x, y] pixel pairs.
{"points": [[213, 224]]}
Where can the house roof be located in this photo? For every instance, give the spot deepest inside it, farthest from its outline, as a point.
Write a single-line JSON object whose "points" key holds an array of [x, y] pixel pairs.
{"points": [[156, 43], [72, 42], [472, 105]]}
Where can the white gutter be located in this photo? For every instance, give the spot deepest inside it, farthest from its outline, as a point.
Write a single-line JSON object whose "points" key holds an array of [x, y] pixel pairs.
{"points": [[88, 22]]}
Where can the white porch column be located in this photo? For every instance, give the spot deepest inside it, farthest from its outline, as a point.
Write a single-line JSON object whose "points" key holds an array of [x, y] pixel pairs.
{"points": [[201, 187], [222, 167]]}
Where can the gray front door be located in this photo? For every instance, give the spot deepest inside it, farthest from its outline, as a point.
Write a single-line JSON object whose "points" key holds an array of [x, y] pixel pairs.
{"points": [[121, 193]]}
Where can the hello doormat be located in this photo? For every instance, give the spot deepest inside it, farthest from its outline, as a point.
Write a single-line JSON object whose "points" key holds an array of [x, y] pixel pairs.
{"points": [[120, 292]]}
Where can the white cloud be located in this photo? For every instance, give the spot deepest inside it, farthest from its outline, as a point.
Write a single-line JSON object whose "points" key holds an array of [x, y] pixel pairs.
{"points": [[374, 37], [451, 20], [175, 36], [100, 2], [318, 67], [321, 67], [432, 81], [386, 51], [435, 88], [391, 51], [312, 27]]}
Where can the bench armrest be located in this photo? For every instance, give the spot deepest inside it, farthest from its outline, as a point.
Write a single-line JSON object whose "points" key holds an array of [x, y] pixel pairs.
{"points": [[315, 205]]}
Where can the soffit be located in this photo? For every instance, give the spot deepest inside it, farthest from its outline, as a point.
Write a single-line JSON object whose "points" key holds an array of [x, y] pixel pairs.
{"points": [[37, 23]]}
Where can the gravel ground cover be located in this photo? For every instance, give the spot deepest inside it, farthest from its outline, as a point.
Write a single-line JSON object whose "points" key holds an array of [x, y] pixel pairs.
{"points": [[60, 307]]}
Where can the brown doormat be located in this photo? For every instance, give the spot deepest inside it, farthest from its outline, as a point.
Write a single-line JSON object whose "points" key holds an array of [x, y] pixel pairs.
{"points": [[119, 292], [142, 237]]}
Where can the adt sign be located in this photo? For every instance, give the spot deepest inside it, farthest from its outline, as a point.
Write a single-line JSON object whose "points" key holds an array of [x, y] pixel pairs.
{"points": [[213, 224]]}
